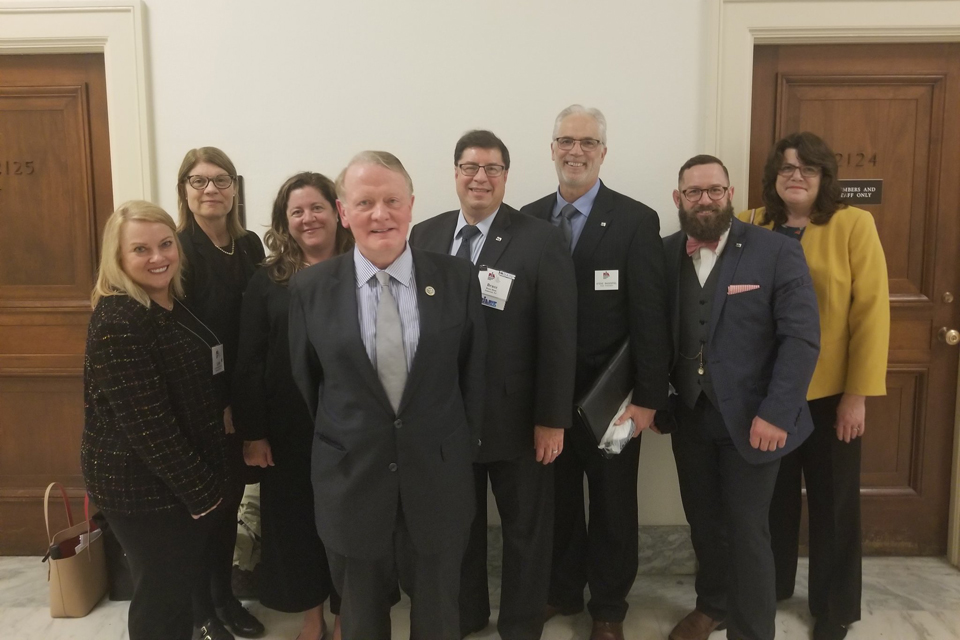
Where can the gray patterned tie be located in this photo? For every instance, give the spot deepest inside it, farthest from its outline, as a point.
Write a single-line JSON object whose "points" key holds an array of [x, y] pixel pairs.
{"points": [[466, 240], [391, 360], [566, 214]]}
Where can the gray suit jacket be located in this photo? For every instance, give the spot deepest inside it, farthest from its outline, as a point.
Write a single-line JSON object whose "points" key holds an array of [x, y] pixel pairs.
{"points": [[763, 343], [366, 458]]}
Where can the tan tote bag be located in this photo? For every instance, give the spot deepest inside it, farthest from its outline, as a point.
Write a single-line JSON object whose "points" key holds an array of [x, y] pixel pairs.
{"points": [[78, 580]]}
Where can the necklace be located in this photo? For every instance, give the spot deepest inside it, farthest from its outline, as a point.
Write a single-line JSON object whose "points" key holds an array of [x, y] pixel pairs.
{"points": [[233, 245]]}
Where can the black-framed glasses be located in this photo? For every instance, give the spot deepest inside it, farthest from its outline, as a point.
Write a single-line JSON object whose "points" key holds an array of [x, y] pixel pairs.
{"points": [[472, 169], [807, 171], [714, 193], [587, 144], [222, 181]]}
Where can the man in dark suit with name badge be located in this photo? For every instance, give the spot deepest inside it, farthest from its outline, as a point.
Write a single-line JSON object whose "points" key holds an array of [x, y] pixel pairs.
{"points": [[746, 338], [621, 294], [387, 346], [530, 301]]}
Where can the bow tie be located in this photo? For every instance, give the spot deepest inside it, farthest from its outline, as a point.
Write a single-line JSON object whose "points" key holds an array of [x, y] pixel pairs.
{"points": [[694, 245]]}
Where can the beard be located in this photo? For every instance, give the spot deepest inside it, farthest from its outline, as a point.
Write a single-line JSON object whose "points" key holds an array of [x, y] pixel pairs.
{"points": [[709, 228]]}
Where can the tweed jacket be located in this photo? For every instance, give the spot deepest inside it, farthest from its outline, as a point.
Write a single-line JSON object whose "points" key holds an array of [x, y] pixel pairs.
{"points": [[153, 427]]}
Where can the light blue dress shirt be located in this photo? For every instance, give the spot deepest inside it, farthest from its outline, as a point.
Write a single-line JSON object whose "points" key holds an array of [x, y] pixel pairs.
{"points": [[483, 226], [584, 205], [403, 286]]}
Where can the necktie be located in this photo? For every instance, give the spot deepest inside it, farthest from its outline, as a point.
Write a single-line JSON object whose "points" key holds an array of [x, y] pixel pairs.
{"points": [[566, 214], [694, 245], [391, 360], [466, 240]]}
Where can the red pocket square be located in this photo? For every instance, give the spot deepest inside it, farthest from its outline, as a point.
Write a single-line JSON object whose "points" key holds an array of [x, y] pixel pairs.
{"points": [[734, 289]]}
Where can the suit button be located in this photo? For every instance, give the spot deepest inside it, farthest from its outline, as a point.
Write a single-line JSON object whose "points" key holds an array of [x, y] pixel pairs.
{"points": [[703, 322], [398, 423], [393, 466], [479, 442], [703, 302]]}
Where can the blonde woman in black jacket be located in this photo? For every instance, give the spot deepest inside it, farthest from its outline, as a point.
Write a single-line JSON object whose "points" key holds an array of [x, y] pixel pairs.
{"points": [[152, 449]]}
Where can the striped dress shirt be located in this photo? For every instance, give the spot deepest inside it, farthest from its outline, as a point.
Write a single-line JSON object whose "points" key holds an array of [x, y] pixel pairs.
{"points": [[403, 286]]}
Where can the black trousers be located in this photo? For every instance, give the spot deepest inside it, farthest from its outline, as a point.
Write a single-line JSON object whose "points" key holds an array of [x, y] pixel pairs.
{"points": [[523, 489], [603, 556], [727, 503], [368, 588], [164, 550], [831, 470], [213, 585]]}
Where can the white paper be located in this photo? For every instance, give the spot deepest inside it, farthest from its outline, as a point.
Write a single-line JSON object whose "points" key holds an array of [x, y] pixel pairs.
{"points": [[616, 437]]}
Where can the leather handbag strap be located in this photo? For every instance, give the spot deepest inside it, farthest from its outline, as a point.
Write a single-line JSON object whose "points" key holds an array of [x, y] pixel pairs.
{"points": [[66, 506]]}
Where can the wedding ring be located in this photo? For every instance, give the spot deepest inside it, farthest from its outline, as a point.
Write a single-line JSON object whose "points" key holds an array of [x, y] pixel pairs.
{"points": [[554, 451]]}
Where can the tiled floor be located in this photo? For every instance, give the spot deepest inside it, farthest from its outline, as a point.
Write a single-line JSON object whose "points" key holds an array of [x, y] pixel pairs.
{"points": [[904, 599]]}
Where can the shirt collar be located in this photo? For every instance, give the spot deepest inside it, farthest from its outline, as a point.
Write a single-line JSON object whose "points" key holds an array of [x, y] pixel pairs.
{"points": [[723, 241], [584, 203], [483, 226], [400, 269]]}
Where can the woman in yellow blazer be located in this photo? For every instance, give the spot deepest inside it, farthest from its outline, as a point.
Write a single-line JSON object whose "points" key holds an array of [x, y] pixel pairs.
{"points": [[849, 271]]}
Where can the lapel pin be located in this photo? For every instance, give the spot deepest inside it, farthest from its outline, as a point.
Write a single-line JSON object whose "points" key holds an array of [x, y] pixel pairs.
{"points": [[603, 224], [499, 238], [739, 245], [430, 290]]}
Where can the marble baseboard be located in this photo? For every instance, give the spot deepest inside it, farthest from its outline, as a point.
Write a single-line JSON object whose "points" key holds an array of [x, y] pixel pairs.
{"points": [[664, 550]]}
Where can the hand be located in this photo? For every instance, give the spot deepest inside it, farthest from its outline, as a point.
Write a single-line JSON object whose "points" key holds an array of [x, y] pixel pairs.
{"points": [[228, 421], [200, 515], [851, 416], [548, 443], [765, 436], [641, 416], [257, 453]]}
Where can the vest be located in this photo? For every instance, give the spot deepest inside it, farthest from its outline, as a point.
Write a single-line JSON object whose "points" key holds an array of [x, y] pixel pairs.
{"points": [[696, 307]]}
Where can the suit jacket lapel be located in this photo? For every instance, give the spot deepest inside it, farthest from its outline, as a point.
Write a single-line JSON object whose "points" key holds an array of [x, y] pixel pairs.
{"points": [[598, 222], [343, 290], [497, 239], [673, 277], [728, 268], [428, 307]]}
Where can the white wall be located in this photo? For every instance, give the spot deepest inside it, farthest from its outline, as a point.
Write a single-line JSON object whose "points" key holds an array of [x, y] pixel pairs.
{"points": [[292, 85]]}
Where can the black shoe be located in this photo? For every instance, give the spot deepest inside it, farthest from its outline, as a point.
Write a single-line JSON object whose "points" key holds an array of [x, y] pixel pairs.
{"points": [[241, 622], [823, 629], [212, 629]]}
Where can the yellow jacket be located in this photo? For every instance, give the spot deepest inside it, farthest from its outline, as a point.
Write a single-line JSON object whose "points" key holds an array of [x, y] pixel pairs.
{"points": [[849, 274]]}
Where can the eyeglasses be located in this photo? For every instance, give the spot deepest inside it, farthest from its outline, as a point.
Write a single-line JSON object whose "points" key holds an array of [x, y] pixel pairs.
{"points": [[587, 144], [714, 193], [472, 169], [807, 171], [222, 181]]}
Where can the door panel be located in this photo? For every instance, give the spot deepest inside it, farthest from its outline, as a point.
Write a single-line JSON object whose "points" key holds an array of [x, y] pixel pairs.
{"points": [[55, 196], [883, 109]]}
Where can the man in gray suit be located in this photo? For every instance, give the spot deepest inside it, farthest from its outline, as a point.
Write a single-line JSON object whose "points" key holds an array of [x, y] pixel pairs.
{"points": [[531, 356], [746, 335], [387, 345]]}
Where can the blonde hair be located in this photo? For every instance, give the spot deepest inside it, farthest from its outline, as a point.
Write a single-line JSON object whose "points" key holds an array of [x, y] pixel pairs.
{"points": [[112, 280], [383, 158], [219, 158]]}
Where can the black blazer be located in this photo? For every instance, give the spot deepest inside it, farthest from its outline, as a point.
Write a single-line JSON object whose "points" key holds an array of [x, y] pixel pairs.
{"points": [[624, 235], [763, 344], [213, 293], [366, 458], [531, 343]]}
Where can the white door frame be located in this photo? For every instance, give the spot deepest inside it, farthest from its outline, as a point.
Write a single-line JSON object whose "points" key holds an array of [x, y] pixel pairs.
{"points": [[735, 26], [114, 29]]}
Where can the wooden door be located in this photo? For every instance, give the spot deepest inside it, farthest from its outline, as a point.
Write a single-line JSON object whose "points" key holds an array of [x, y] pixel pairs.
{"points": [[890, 112], [55, 196]]}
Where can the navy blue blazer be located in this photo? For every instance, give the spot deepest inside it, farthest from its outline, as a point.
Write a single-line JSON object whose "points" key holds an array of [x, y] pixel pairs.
{"points": [[763, 344]]}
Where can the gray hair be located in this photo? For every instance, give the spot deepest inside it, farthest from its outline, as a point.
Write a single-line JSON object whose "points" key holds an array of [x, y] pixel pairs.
{"points": [[596, 114], [383, 158]]}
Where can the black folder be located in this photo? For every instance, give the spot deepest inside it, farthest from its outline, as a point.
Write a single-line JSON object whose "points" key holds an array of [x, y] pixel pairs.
{"points": [[600, 404]]}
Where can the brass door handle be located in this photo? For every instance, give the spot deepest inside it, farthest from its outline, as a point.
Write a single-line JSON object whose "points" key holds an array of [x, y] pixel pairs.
{"points": [[949, 336]]}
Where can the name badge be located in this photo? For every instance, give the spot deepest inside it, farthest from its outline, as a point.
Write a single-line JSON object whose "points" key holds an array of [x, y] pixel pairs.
{"points": [[606, 280], [495, 288], [217, 351]]}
